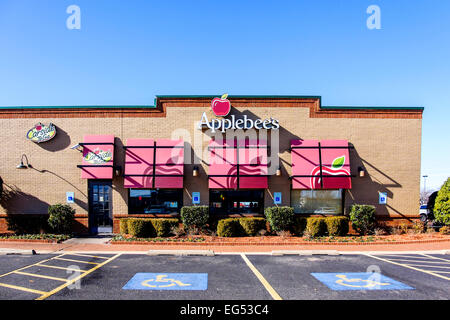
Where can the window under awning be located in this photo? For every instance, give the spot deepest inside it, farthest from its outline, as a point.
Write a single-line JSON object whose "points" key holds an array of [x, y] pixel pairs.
{"points": [[237, 164], [154, 164], [98, 157], [320, 165]]}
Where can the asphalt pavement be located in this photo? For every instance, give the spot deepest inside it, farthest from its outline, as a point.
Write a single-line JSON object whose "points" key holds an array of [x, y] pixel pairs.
{"points": [[102, 276]]}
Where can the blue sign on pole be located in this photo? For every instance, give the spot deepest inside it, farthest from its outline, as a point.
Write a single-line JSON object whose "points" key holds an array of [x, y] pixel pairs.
{"points": [[168, 281], [195, 197], [359, 281]]}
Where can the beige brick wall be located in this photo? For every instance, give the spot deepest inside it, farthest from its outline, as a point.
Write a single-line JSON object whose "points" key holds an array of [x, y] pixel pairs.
{"points": [[388, 148]]}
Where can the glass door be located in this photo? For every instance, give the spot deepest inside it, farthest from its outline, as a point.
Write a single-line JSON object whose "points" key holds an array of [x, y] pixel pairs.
{"points": [[100, 211]]}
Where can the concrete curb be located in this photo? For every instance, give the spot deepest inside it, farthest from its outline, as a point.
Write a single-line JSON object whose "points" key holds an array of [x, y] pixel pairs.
{"points": [[15, 251], [305, 252], [208, 253]]}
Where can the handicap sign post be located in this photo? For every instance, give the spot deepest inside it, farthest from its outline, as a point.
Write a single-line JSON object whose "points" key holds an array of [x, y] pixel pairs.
{"points": [[168, 281], [359, 281], [382, 198], [277, 198], [195, 197]]}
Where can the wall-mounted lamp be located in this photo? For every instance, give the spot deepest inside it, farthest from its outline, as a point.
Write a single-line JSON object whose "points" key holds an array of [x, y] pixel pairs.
{"points": [[361, 171], [278, 172], [77, 147], [21, 165], [195, 172]]}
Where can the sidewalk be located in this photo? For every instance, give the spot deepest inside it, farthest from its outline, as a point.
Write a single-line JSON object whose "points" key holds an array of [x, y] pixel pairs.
{"points": [[134, 248]]}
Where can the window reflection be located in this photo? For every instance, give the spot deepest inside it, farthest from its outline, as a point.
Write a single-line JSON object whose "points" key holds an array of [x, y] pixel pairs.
{"points": [[317, 201], [149, 201]]}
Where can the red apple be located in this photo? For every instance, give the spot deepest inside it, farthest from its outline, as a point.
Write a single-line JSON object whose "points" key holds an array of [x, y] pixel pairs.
{"points": [[221, 106], [38, 128]]}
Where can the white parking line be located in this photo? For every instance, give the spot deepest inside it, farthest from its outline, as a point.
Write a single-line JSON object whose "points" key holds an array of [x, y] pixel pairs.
{"points": [[410, 267]]}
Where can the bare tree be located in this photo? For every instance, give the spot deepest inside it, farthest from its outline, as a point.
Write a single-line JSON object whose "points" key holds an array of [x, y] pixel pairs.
{"points": [[424, 195]]}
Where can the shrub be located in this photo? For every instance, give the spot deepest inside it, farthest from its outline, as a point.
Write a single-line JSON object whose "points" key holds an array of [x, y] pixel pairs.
{"points": [[280, 218], [337, 226], [27, 223], [299, 225], [316, 227], [163, 226], [61, 217], [442, 204], [251, 226], [445, 230], [140, 228], [123, 226], [195, 216], [229, 228], [363, 218]]}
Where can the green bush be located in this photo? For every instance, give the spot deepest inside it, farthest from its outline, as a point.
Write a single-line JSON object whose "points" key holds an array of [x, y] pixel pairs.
{"points": [[337, 226], [123, 226], [27, 223], [195, 216], [163, 226], [316, 227], [61, 217], [141, 228], [299, 225], [147, 228], [280, 218], [251, 226], [363, 218], [229, 228], [442, 204]]}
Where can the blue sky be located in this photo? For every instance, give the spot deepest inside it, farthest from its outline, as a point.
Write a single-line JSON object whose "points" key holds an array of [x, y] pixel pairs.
{"points": [[126, 52]]}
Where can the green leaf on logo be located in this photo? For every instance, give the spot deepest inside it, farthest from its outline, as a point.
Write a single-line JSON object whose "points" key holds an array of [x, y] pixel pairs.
{"points": [[338, 162]]}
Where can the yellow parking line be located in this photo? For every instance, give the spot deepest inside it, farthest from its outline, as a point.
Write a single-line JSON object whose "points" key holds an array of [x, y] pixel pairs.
{"points": [[426, 255], [68, 283], [40, 276], [29, 266], [407, 266], [56, 267], [260, 277], [71, 260], [87, 255], [21, 288]]}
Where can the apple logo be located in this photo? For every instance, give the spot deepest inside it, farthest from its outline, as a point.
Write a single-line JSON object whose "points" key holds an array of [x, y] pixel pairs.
{"points": [[221, 106]]}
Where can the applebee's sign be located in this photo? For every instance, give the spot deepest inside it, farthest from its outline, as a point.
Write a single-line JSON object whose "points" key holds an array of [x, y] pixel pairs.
{"points": [[221, 107], [41, 133]]}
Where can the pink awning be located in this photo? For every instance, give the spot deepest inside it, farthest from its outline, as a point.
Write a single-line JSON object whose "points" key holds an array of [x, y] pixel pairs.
{"points": [[150, 164], [98, 157], [312, 160], [238, 165], [139, 163]]}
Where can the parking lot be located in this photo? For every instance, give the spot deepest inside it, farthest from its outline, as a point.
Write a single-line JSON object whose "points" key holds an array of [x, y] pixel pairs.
{"points": [[70, 276]]}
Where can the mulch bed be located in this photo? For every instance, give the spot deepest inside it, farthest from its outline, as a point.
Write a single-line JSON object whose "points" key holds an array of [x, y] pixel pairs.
{"points": [[277, 240]]}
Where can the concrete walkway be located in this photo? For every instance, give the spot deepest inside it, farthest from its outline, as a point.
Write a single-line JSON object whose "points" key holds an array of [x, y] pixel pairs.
{"points": [[98, 245]]}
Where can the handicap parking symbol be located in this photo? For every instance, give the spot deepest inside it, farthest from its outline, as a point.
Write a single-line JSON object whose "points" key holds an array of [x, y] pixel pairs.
{"points": [[359, 281], [168, 281]]}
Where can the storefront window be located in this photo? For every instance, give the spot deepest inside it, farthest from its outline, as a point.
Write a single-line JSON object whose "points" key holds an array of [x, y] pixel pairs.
{"points": [[236, 201], [317, 201], [149, 201]]}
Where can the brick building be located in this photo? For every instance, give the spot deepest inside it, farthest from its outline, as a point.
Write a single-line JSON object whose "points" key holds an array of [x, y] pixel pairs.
{"points": [[148, 161]]}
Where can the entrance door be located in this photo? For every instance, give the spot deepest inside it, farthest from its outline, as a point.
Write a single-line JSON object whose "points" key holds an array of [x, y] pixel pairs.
{"points": [[100, 211], [236, 201]]}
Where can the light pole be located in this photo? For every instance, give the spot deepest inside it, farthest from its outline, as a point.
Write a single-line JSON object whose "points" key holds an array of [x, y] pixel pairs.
{"points": [[425, 183]]}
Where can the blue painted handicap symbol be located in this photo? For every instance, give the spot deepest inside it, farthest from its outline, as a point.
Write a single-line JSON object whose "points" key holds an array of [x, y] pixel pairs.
{"points": [[168, 281], [359, 281]]}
